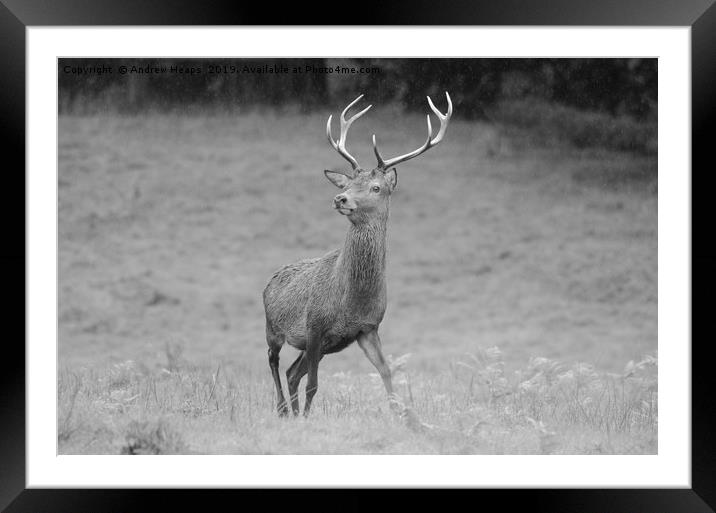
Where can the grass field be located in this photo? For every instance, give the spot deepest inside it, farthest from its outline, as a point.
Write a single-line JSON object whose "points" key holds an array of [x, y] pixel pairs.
{"points": [[522, 279]]}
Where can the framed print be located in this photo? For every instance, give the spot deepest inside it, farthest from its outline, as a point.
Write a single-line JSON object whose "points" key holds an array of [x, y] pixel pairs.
{"points": [[215, 285]]}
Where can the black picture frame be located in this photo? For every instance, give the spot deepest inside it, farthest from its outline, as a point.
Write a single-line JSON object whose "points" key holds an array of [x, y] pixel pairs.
{"points": [[17, 15]]}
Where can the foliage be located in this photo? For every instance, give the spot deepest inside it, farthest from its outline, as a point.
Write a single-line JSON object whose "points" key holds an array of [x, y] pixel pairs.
{"points": [[626, 87], [545, 122], [474, 406]]}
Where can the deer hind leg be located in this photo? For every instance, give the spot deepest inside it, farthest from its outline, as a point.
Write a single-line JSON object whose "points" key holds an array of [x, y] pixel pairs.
{"points": [[294, 374], [274, 349], [312, 354], [370, 344]]}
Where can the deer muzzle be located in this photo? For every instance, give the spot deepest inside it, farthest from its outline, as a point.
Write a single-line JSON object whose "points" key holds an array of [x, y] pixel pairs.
{"points": [[343, 204]]}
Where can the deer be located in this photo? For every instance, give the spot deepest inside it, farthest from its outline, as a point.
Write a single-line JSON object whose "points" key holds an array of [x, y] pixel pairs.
{"points": [[322, 305]]}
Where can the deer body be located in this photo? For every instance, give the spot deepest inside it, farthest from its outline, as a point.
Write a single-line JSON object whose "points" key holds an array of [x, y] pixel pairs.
{"points": [[322, 305], [338, 295]]}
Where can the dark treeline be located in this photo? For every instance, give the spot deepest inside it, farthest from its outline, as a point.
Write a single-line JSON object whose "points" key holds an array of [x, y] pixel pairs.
{"points": [[614, 86]]}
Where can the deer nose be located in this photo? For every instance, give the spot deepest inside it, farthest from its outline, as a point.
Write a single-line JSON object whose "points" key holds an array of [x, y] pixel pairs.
{"points": [[340, 199]]}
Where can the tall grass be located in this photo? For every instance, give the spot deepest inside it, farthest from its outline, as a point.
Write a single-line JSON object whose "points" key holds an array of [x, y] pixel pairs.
{"points": [[473, 406]]}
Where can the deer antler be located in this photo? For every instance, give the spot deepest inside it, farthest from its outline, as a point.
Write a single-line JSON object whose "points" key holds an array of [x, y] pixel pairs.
{"points": [[429, 143], [340, 146]]}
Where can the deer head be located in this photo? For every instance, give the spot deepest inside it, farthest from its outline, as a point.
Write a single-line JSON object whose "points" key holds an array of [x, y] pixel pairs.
{"points": [[367, 193]]}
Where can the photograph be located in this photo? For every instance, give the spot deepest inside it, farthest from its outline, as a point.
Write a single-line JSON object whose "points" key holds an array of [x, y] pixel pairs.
{"points": [[357, 256]]}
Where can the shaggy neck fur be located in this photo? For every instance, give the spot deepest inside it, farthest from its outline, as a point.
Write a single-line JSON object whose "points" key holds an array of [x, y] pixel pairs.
{"points": [[361, 264]]}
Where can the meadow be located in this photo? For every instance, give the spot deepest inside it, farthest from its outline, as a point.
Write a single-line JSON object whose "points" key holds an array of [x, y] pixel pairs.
{"points": [[522, 288]]}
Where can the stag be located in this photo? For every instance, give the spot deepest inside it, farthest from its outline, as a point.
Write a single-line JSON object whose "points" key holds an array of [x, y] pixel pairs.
{"points": [[322, 305]]}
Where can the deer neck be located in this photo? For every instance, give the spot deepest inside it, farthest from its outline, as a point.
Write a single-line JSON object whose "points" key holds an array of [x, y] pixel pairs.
{"points": [[361, 264]]}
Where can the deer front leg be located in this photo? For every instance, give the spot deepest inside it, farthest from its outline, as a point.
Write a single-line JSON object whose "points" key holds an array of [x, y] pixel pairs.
{"points": [[370, 344]]}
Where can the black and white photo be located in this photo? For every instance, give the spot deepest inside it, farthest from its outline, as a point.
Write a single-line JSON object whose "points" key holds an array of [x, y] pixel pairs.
{"points": [[238, 238]]}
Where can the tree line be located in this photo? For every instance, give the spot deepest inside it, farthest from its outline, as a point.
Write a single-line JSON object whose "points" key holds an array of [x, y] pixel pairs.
{"points": [[615, 86]]}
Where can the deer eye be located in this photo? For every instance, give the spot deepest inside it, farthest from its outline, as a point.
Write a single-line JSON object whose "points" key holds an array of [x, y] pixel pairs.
{"points": [[375, 188]]}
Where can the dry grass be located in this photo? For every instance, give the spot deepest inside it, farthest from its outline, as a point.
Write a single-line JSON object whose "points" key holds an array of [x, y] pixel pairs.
{"points": [[474, 407], [171, 225]]}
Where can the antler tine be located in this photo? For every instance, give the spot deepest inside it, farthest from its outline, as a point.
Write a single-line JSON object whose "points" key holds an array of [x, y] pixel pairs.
{"points": [[381, 163], [340, 146], [429, 143], [444, 119]]}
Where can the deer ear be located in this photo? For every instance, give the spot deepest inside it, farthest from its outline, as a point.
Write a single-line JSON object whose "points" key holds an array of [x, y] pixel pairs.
{"points": [[338, 179], [391, 178]]}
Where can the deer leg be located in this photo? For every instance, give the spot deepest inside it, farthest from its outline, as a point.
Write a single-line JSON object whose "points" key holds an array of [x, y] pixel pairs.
{"points": [[370, 344], [294, 374], [313, 356], [273, 363]]}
